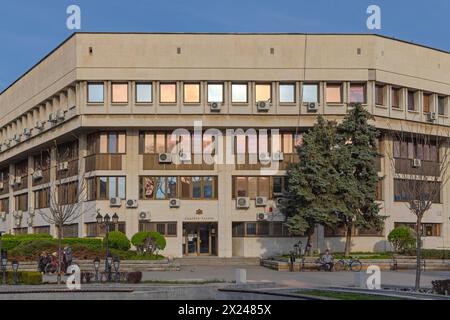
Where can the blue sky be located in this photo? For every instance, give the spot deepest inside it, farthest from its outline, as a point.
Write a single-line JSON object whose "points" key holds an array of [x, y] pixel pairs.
{"points": [[31, 29]]}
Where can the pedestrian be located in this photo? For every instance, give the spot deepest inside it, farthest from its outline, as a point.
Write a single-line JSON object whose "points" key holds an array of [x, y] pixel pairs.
{"points": [[68, 255], [328, 260]]}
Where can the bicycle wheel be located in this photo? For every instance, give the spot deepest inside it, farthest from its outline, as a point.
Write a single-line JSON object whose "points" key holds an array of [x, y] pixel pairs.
{"points": [[356, 265], [339, 266]]}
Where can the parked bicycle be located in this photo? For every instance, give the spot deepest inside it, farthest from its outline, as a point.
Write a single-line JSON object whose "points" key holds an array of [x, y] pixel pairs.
{"points": [[348, 264]]}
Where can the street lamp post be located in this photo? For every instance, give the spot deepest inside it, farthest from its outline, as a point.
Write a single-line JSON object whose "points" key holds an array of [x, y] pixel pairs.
{"points": [[96, 267], [106, 220], [15, 267], [4, 264]]}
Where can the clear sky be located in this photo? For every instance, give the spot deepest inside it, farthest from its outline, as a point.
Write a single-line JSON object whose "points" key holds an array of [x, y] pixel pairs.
{"points": [[31, 29]]}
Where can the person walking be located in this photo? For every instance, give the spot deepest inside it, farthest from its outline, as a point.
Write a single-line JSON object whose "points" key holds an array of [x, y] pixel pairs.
{"points": [[68, 256]]}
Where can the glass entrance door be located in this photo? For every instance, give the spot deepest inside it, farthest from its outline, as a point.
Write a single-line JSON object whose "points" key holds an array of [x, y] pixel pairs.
{"points": [[199, 239]]}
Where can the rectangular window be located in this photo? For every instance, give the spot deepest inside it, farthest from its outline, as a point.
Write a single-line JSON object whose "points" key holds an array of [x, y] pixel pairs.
{"points": [[68, 193], [95, 92], [4, 205], [310, 93], [251, 229], [241, 187], [196, 187], [21, 202], [185, 187], [288, 143], [42, 198], [215, 92], [396, 97], [41, 230], [263, 92], [144, 93], [357, 93], [168, 93], [411, 100], [172, 187], [252, 187], [427, 230], [403, 190], [334, 93], [167, 229], [119, 92], [287, 93], [426, 102], [149, 143], [441, 105], [379, 94], [147, 188], [277, 185], [264, 187], [191, 93], [70, 231], [160, 188], [239, 93], [208, 187]]}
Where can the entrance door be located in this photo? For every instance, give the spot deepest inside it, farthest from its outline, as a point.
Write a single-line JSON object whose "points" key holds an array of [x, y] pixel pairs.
{"points": [[199, 239]]}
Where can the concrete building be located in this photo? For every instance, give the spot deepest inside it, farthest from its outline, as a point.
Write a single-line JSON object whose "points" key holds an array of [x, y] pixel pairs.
{"points": [[101, 108]]}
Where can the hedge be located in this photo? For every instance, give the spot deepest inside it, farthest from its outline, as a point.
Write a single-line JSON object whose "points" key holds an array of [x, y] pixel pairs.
{"points": [[118, 240], [24, 277], [11, 242]]}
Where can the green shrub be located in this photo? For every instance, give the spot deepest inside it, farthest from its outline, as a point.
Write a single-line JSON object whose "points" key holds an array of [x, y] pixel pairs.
{"points": [[25, 277], [118, 240], [10, 241], [141, 239], [32, 248], [402, 239], [93, 243]]}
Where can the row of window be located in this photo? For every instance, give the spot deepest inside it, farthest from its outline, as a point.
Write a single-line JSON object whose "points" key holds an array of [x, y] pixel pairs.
{"points": [[404, 190], [216, 92], [259, 229], [419, 148], [427, 230], [258, 186]]}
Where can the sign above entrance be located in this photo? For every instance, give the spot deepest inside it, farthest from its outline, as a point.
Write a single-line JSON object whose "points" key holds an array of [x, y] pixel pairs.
{"points": [[199, 218]]}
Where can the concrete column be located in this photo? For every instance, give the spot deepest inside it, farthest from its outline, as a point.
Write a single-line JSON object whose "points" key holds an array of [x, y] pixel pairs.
{"points": [[30, 192], [12, 205], [225, 240], [82, 152], [131, 167], [53, 183]]}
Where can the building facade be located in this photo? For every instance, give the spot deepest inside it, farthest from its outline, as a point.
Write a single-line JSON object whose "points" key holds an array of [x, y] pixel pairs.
{"points": [[100, 112]]}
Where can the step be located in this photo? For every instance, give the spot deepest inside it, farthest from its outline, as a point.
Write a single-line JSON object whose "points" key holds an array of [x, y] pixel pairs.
{"points": [[216, 261]]}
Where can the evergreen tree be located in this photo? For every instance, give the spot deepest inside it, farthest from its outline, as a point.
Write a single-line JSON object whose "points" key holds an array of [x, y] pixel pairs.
{"points": [[311, 197], [357, 144]]}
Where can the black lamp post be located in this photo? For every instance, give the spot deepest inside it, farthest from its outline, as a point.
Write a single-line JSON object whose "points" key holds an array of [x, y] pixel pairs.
{"points": [[116, 268], [15, 267], [106, 220], [4, 264], [96, 267]]}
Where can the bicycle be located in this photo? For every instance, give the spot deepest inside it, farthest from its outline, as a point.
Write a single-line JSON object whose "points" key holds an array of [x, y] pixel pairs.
{"points": [[348, 264]]}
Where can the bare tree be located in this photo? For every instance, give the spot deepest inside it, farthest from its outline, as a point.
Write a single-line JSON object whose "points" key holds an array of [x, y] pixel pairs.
{"points": [[66, 196], [420, 161]]}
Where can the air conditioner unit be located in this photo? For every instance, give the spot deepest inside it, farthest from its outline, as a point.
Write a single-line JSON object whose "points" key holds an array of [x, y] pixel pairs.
{"points": [[144, 215], [7, 143], [278, 156], [26, 132], [132, 203], [3, 215], [52, 118], [18, 180], [264, 157], [63, 166], [37, 174], [312, 107], [18, 214], [416, 163], [261, 201], [12, 181], [16, 137], [185, 157], [215, 106], [60, 115], [115, 202], [18, 222], [30, 221], [165, 158], [263, 105], [431, 116], [278, 201], [262, 216], [243, 203], [40, 125], [174, 203]]}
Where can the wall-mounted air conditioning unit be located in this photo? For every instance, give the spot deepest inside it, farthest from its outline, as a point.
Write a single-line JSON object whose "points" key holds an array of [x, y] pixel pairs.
{"points": [[243, 203], [312, 107], [416, 163], [215, 106], [40, 125], [132, 203], [431, 116], [115, 202], [174, 203], [264, 157], [37, 174], [262, 216], [261, 201], [3, 215], [16, 137], [144, 215], [12, 181], [185, 157], [278, 156], [263, 105], [278, 201], [165, 158], [18, 180], [30, 221]]}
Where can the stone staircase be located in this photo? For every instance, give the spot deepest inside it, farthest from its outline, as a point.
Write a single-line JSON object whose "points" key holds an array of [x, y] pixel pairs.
{"points": [[216, 261]]}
